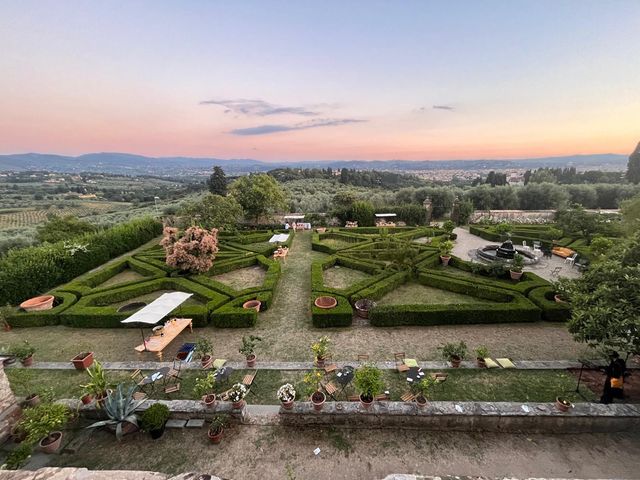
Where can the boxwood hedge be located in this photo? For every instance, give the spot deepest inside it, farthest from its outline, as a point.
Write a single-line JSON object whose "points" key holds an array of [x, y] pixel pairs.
{"points": [[339, 316], [19, 318]]}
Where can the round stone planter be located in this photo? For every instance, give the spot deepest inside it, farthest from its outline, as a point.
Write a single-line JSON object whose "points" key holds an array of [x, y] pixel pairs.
{"points": [[455, 361], [44, 302], [51, 443], [515, 275], [421, 402], [318, 399], [251, 360], [252, 305], [209, 400], [366, 402], [287, 405], [325, 302], [363, 306], [562, 404], [445, 260], [215, 435]]}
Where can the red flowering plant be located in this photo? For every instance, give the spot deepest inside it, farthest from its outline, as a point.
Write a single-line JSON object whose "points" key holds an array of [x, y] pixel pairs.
{"points": [[193, 252]]}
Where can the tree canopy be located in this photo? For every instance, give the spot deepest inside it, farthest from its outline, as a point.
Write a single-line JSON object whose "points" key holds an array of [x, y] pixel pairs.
{"points": [[213, 211], [259, 195], [63, 228], [633, 167], [217, 182]]}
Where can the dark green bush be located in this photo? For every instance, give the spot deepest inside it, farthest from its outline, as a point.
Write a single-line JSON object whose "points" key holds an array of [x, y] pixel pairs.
{"points": [[339, 316], [382, 287], [19, 318], [552, 311]]}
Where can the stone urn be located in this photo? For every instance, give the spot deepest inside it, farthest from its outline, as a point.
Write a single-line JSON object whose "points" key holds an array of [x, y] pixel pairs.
{"points": [[43, 302], [252, 305]]}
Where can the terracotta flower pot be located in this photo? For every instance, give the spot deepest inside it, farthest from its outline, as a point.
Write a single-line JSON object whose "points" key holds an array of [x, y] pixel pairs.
{"points": [[515, 275], [318, 399], [32, 400], [252, 305], [43, 302], [481, 363], [421, 401], [455, 361], [86, 399], [83, 360], [51, 443], [209, 400], [445, 260], [287, 405], [559, 299], [215, 436], [562, 404], [205, 360], [251, 360], [238, 405], [366, 402], [320, 362], [27, 362], [326, 302]]}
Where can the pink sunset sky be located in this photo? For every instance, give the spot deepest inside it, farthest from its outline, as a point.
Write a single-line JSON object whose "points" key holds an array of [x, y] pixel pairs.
{"points": [[302, 81]]}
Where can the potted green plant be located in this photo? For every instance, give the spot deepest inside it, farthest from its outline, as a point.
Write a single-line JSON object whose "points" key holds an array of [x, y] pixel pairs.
{"points": [[445, 251], [98, 385], [216, 428], [83, 360], [154, 419], [454, 352], [515, 270], [248, 349], [287, 395], [203, 350], [448, 226], [42, 424], [423, 390], [563, 404], [120, 407], [18, 457], [482, 352], [236, 394], [311, 382], [320, 350], [203, 388], [368, 381], [24, 352]]}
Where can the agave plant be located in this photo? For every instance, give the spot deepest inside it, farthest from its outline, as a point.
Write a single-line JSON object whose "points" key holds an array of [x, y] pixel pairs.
{"points": [[120, 407]]}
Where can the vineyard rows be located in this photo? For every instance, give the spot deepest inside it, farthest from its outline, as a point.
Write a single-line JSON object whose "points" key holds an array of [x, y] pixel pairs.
{"points": [[27, 217]]}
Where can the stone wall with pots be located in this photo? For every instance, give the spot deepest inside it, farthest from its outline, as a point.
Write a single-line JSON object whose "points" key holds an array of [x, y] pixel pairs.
{"points": [[9, 408], [469, 416]]}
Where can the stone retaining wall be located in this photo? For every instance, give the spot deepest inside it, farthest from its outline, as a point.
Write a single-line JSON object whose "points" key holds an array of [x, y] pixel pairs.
{"points": [[9, 409]]}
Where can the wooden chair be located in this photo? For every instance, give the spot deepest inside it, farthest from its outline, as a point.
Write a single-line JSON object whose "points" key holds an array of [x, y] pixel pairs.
{"points": [[139, 395], [248, 380], [330, 368], [382, 397], [137, 376], [440, 378], [175, 369], [399, 358], [330, 388], [363, 357], [408, 397], [175, 387]]}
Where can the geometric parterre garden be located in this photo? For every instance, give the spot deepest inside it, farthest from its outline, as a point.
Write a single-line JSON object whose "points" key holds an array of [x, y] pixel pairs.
{"points": [[383, 255], [93, 299]]}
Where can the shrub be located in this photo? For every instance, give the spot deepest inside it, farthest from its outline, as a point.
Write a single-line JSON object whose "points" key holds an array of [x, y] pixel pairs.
{"points": [[552, 311], [39, 421], [454, 350], [18, 318], [29, 271], [321, 348], [339, 316], [368, 381], [193, 252], [481, 351], [18, 457], [155, 417]]}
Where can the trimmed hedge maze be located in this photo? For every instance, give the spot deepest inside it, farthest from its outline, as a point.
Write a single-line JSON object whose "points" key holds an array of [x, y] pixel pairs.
{"points": [[93, 300], [382, 254]]}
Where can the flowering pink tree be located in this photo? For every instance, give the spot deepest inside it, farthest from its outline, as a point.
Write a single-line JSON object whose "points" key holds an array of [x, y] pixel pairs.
{"points": [[194, 251]]}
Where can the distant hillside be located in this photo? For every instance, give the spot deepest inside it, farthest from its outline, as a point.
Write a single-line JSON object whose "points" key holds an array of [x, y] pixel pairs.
{"points": [[124, 163]]}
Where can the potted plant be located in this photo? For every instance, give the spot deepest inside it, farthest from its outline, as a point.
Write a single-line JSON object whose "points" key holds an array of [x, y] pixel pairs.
{"points": [[120, 407], [287, 395], [563, 404], [236, 394], [203, 388], [482, 352], [368, 380], [454, 352], [42, 424], [248, 347], [445, 251], [216, 428], [154, 419], [515, 271], [203, 351], [320, 350], [83, 360], [18, 457], [24, 352], [423, 389], [311, 382], [98, 386]]}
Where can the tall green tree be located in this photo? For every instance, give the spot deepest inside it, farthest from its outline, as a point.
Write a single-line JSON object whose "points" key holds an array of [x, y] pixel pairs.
{"points": [[633, 167], [62, 228], [260, 196], [213, 211], [605, 304], [217, 182]]}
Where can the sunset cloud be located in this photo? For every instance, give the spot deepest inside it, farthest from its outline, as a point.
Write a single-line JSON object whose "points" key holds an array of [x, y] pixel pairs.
{"points": [[267, 129], [259, 108]]}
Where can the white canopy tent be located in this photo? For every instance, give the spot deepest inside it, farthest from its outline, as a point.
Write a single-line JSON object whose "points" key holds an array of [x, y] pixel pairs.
{"points": [[157, 310], [279, 238], [385, 215], [296, 216]]}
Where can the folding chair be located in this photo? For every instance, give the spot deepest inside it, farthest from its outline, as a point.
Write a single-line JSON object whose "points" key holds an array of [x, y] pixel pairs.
{"points": [[330, 368], [172, 388], [408, 397], [440, 378], [399, 358], [137, 376], [330, 388], [175, 369], [139, 395], [363, 357], [249, 379]]}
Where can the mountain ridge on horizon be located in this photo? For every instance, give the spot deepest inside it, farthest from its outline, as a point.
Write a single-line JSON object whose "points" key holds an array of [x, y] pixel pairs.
{"points": [[133, 164]]}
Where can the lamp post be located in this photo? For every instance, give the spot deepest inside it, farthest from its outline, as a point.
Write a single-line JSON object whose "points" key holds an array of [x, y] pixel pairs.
{"points": [[155, 202]]}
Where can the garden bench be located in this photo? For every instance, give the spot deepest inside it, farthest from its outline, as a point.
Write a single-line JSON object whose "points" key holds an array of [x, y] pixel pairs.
{"points": [[249, 379], [363, 357]]}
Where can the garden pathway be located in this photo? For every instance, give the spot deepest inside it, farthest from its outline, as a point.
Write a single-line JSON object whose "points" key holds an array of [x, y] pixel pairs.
{"points": [[467, 243]]}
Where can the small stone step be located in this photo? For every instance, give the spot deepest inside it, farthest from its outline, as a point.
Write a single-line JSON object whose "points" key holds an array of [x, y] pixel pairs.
{"points": [[195, 423], [176, 423]]}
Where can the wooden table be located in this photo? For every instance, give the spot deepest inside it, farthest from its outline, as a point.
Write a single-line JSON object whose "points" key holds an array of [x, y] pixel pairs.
{"points": [[172, 329]]}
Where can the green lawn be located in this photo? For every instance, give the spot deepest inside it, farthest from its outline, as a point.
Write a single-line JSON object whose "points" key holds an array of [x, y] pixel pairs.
{"points": [[462, 384], [337, 244], [342, 277], [243, 277], [127, 275], [414, 293]]}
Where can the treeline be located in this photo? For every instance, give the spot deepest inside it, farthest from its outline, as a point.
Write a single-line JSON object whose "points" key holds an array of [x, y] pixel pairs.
{"points": [[32, 271], [570, 175], [365, 178]]}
